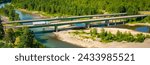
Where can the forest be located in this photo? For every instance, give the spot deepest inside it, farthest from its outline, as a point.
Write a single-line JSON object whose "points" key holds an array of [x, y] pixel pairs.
{"points": [[9, 11], [18, 38], [83, 7]]}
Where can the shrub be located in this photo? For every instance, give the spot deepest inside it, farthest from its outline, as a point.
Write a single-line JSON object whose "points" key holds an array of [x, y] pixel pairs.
{"points": [[140, 37]]}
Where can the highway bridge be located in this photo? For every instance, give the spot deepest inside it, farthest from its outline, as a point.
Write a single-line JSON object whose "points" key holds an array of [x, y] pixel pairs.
{"points": [[86, 22], [67, 18]]}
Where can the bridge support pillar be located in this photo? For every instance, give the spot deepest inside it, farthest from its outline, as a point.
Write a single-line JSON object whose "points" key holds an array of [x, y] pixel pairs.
{"points": [[107, 22], [56, 29], [123, 22], [87, 25], [43, 29], [115, 22], [142, 18]]}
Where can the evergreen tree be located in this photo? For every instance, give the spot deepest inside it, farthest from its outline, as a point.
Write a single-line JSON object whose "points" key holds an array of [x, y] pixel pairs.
{"points": [[27, 38], [1, 30], [132, 10], [10, 36]]}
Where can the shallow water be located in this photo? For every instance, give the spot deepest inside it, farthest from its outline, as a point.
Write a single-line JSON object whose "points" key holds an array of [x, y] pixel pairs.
{"points": [[48, 39], [139, 28]]}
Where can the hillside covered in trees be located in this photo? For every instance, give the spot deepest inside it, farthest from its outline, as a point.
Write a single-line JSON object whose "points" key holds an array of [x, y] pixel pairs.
{"points": [[84, 7]]}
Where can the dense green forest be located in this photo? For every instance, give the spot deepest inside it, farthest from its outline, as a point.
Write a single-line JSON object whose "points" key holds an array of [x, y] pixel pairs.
{"points": [[84, 7], [9, 11], [18, 38]]}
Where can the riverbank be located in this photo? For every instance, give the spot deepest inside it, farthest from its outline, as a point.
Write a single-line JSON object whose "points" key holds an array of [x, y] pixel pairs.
{"points": [[144, 12], [41, 14], [88, 43], [140, 24], [36, 14]]}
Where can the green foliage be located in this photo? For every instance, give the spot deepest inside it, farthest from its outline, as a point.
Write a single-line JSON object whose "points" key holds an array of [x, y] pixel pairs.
{"points": [[83, 7], [146, 20], [147, 36], [1, 31], [132, 10], [102, 34], [128, 37], [122, 37], [20, 38], [140, 38], [106, 37], [93, 32], [18, 32], [9, 11], [27, 38], [9, 36], [4, 45], [119, 36]]}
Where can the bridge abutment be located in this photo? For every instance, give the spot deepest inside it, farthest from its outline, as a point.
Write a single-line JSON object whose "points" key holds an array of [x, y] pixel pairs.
{"points": [[87, 25], [56, 28], [107, 22], [115, 22]]}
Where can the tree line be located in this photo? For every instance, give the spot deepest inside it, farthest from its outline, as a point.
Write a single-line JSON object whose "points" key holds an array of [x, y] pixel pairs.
{"points": [[84, 7], [105, 36], [18, 38]]}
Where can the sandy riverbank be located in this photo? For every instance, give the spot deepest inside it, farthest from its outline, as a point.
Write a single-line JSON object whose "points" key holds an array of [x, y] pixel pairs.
{"points": [[140, 24], [65, 36]]}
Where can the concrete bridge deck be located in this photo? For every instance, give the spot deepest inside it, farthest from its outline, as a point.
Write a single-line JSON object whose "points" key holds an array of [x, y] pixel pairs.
{"points": [[86, 22], [82, 21], [73, 17]]}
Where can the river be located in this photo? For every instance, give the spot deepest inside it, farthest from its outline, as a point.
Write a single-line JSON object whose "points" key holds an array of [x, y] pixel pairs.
{"points": [[46, 38]]}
